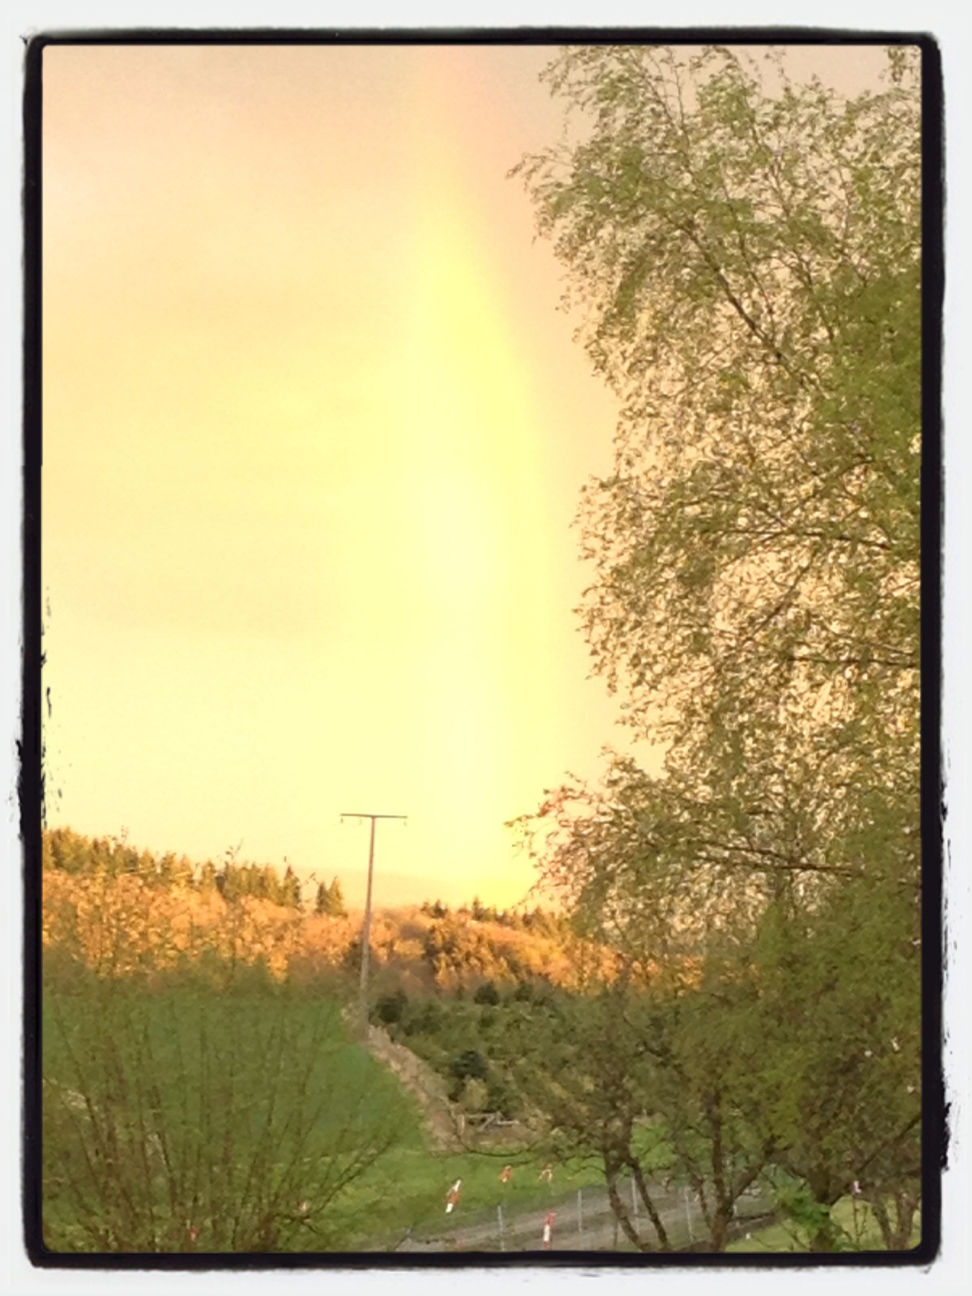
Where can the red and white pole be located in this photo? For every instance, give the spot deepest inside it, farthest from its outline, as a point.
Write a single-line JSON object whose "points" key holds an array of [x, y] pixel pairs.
{"points": [[452, 1196]]}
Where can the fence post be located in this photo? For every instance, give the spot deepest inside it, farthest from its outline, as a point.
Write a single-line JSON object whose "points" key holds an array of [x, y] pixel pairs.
{"points": [[580, 1210], [499, 1217], [688, 1214], [634, 1199]]}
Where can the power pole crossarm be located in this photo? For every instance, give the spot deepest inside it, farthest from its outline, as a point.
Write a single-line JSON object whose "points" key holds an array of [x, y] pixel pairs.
{"points": [[366, 925]]}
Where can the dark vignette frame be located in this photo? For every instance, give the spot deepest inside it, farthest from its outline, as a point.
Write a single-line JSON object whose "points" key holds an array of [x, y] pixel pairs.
{"points": [[31, 786]]}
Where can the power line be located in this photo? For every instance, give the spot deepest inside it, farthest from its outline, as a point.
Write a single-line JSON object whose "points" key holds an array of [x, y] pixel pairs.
{"points": [[366, 925]]}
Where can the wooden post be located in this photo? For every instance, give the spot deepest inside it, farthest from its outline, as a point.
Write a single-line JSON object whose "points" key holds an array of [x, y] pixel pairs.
{"points": [[366, 923]]}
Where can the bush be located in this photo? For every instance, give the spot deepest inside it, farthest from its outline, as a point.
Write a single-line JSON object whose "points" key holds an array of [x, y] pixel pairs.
{"points": [[475, 1095], [531, 991], [487, 994], [424, 1018], [469, 1063], [390, 1008], [502, 1097]]}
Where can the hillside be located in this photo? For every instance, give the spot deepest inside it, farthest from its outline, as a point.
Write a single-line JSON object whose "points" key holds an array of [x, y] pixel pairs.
{"points": [[120, 911]]}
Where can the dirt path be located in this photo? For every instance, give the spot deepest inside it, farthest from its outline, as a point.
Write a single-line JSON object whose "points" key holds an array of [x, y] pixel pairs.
{"points": [[422, 1082]]}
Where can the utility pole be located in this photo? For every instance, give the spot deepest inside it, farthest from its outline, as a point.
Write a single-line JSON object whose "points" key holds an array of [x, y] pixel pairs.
{"points": [[366, 925]]}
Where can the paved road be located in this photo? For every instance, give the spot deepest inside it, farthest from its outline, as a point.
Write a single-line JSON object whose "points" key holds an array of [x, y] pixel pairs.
{"points": [[593, 1228]]}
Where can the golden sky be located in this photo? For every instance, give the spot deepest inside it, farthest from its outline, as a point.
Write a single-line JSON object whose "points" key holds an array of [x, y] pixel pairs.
{"points": [[313, 436], [314, 432]]}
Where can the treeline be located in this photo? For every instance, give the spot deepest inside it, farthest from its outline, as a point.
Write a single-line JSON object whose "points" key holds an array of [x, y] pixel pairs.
{"points": [[111, 857], [462, 953], [119, 910], [543, 921]]}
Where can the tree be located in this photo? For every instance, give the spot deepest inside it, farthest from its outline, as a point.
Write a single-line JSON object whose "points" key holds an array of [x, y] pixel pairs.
{"points": [[469, 1063], [841, 1035], [290, 889], [745, 253], [657, 1084], [749, 263], [330, 900], [475, 1095], [337, 900]]}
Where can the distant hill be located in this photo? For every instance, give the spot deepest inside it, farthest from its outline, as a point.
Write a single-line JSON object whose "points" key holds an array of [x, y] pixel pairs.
{"points": [[122, 911]]}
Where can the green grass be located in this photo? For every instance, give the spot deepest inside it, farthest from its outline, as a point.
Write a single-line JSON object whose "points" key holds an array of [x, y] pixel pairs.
{"points": [[408, 1191], [855, 1218], [189, 1119], [185, 1118]]}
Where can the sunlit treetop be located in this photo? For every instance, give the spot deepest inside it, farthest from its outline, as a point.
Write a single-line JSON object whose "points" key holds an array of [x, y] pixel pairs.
{"points": [[744, 253]]}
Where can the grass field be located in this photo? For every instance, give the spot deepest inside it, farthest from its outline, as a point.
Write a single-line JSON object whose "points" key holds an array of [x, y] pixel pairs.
{"points": [[407, 1190], [192, 1119], [186, 1118]]}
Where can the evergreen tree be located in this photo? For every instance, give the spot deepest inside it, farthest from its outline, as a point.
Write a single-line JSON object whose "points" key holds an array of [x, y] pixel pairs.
{"points": [[322, 900], [330, 900], [290, 889], [336, 899]]}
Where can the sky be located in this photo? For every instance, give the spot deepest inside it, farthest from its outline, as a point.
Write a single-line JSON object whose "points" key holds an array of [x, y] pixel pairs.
{"points": [[314, 431], [314, 435]]}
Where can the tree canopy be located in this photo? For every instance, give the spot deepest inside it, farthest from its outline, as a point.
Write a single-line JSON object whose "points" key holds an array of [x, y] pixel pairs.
{"points": [[744, 256]]}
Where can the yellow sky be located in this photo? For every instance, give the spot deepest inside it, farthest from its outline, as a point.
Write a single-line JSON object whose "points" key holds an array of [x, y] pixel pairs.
{"points": [[314, 432]]}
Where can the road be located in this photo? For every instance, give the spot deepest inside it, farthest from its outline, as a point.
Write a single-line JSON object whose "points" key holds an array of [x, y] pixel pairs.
{"points": [[590, 1228]]}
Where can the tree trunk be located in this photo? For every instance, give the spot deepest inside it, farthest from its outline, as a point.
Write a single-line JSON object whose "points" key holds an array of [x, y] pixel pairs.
{"points": [[663, 1243], [621, 1214], [895, 1234], [719, 1229], [825, 1194], [719, 1223]]}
